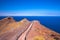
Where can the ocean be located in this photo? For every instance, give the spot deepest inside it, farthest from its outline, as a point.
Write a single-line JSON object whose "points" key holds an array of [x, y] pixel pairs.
{"points": [[52, 22]]}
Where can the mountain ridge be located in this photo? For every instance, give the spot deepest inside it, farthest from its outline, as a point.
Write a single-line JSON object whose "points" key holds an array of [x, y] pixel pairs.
{"points": [[16, 29]]}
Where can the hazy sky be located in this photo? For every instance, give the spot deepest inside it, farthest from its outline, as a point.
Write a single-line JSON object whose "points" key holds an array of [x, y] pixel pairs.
{"points": [[30, 7]]}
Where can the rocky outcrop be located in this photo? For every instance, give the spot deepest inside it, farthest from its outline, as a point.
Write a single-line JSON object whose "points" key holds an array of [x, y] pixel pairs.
{"points": [[5, 22], [25, 30]]}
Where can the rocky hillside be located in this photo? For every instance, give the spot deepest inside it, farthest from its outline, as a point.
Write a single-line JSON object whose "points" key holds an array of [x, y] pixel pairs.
{"points": [[25, 30]]}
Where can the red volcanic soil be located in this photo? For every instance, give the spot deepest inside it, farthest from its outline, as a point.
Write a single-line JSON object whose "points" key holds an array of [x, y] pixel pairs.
{"points": [[40, 32], [25, 30], [13, 30]]}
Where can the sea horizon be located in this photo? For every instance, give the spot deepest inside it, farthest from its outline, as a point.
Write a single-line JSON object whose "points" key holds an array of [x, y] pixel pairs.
{"points": [[51, 22]]}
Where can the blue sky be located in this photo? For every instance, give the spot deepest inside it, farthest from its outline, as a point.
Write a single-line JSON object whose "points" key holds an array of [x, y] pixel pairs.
{"points": [[30, 7]]}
